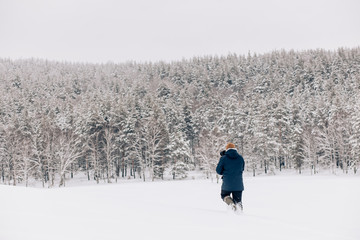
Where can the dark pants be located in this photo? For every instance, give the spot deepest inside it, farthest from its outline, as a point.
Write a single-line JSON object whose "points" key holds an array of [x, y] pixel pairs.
{"points": [[236, 195]]}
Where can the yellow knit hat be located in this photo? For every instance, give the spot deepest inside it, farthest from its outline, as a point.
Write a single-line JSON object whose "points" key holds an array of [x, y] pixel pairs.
{"points": [[230, 145]]}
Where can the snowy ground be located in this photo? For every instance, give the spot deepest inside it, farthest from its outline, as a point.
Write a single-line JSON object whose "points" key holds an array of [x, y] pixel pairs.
{"points": [[276, 207]]}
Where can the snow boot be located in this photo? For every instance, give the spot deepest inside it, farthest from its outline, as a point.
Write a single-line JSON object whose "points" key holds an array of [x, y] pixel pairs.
{"points": [[229, 201], [239, 206]]}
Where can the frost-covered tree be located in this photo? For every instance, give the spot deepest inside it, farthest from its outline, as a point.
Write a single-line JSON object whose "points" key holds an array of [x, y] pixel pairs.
{"points": [[67, 152], [355, 136], [157, 140], [180, 154], [211, 143], [297, 139]]}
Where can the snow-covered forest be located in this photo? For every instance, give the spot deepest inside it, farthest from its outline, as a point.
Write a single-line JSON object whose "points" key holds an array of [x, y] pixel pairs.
{"points": [[283, 110]]}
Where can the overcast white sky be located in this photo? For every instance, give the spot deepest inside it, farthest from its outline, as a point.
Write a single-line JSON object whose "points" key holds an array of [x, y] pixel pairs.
{"points": [[152, 30]]}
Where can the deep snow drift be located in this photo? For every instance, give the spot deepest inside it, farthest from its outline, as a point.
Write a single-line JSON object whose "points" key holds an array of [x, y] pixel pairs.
{"points": [[277, 207]]}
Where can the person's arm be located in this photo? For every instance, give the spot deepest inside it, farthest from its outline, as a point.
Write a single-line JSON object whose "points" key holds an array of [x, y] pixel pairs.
{"points": [[220, 166], [243, 163]]}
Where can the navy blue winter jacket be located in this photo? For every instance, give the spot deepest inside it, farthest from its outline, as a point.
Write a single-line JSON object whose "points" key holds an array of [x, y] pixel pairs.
{"points": [[231, 167]]}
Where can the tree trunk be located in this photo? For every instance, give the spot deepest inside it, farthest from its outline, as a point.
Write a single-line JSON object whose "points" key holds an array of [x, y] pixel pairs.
{"points": [[72, 170], [123, 164], [2, 173], [265, 166], [87, 167], [52, 177], [62, 180]]}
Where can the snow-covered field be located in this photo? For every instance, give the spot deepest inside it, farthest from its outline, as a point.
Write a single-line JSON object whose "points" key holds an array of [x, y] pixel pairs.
{"points": [[276, 207]]}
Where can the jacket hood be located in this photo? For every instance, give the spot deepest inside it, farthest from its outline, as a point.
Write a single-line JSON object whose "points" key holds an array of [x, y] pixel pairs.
{"points": [[232, 153]]}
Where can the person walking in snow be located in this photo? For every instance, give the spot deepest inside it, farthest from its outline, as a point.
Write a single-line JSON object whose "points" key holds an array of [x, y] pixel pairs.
{"points": [[231, 167]]}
